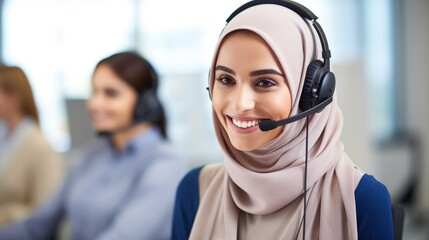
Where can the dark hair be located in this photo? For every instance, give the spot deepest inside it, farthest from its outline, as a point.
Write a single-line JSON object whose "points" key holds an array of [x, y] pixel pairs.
{"points": [[14, 81], [139, 73]]}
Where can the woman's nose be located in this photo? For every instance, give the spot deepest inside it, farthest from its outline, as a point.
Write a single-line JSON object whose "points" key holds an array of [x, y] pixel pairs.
{"points": [[244, 99]]}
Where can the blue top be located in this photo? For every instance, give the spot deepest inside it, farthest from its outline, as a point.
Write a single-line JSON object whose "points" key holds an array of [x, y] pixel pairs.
{"points": [[373, 208], [111, 195]]}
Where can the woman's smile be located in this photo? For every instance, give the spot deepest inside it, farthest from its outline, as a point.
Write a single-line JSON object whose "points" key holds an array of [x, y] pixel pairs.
{"points": [[246, 94], [243, 124]]}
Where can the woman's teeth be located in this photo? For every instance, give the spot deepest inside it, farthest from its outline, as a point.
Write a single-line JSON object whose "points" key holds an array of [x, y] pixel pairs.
{"points": [[244, 124]]}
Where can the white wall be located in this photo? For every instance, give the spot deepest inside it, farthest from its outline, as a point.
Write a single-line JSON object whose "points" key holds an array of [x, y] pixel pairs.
{"points": [[352, 94], [416, 73]]}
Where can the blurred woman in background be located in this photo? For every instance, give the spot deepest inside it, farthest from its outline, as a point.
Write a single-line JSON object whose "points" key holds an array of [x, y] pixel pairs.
{"points": [[29, 168], [124, 182]]}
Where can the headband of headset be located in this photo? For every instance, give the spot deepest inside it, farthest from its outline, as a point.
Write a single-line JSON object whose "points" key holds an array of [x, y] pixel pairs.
{"points": [[301, 11]]}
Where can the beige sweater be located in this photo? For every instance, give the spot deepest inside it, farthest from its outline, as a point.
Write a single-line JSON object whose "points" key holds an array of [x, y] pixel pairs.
{"points": [[28, 177]]}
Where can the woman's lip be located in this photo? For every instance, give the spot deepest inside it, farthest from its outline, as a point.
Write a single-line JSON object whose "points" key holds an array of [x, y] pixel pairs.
{"points": [[242, 130], [243, 118]]}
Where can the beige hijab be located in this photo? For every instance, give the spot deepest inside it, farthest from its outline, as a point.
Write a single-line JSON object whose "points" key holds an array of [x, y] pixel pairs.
{"points": [[259, 194]]}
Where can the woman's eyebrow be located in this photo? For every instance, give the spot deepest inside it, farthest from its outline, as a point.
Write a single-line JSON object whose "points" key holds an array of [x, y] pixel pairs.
{"points": [[252, 74], [225, 69], [265, 71]]}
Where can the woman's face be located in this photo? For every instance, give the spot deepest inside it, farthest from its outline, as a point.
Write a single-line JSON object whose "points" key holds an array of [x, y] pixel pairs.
{"points": [[112, 102], [249, 86], [8, 103]]}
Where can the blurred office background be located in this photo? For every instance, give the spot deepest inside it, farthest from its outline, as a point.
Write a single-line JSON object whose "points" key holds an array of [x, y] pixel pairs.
{"points": [[379, 54]]}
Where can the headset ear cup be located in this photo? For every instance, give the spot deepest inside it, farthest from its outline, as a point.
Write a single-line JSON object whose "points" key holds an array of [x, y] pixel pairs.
{"points": [[307, 100], [327, 87], [148, 108]]}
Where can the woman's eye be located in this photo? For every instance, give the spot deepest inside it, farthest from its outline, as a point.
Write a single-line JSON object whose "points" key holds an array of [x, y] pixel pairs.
{"points": [[225, 81], [265, 83], [111, 93]]}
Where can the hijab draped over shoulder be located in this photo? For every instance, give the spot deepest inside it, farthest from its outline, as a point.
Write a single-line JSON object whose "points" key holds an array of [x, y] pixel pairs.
{"points": [[259, 195]]}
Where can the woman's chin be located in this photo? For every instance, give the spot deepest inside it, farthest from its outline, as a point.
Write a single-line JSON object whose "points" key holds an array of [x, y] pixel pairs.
{"points": [[99, 128], [245, 145]]}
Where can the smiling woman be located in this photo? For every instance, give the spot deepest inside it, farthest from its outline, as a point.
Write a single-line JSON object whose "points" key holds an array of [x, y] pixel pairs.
{"points": [[112, 101], [293, 181], [126, 164]]}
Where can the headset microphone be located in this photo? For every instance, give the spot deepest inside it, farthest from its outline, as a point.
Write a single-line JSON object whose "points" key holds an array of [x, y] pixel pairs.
{"points": [[267, 125]]}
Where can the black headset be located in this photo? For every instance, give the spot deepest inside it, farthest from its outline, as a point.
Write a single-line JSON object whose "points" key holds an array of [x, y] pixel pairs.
{"points": [[319, 84], [148, 107]]}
